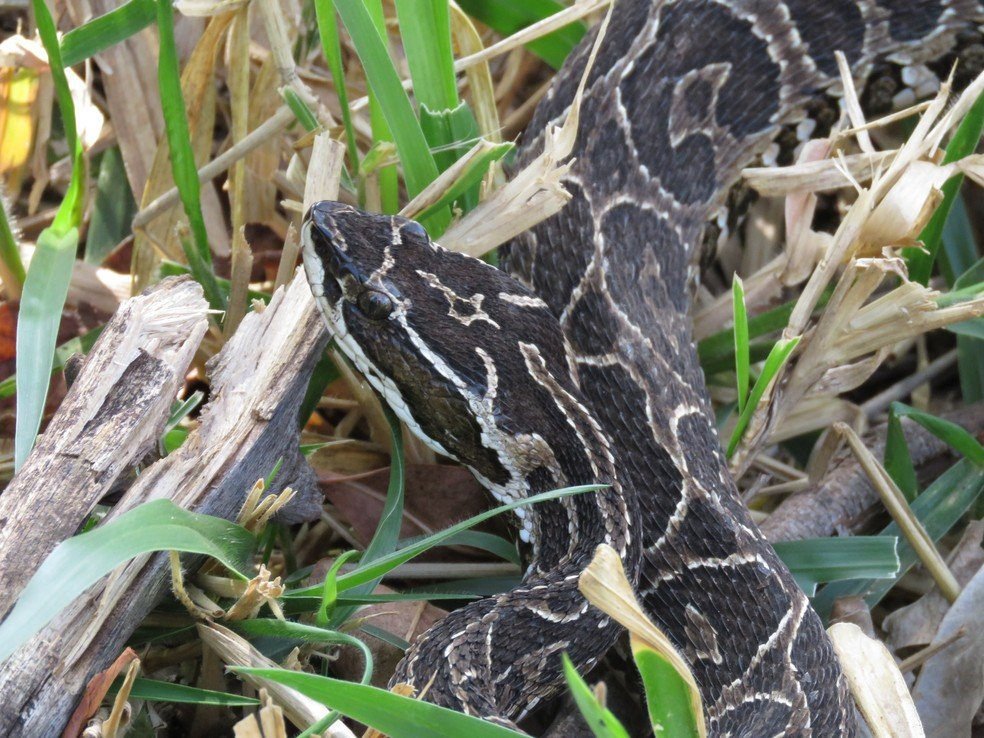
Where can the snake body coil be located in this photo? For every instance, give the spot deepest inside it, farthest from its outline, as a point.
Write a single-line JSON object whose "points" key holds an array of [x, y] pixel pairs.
{"points": [[580, 367]]}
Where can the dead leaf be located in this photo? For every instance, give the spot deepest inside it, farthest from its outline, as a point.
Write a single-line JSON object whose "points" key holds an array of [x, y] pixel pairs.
{"points": [[435, 497], [95, 691], [406, 619], [876, 683], [917, 624], [950, 688]]}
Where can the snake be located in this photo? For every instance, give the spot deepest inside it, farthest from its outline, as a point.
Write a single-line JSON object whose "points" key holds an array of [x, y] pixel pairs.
{"points": [[573, 362]]}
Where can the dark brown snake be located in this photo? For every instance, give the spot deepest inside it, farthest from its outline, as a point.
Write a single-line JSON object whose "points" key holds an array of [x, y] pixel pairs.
{"points": [[575, 364]]}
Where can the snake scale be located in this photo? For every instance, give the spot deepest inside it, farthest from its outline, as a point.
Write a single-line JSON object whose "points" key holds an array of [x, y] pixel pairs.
{"points": [[575, 363]]}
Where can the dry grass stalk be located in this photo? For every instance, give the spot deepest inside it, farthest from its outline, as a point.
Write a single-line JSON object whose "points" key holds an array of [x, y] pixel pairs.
{"points": [[242, 256], [269, 725], [258, 137], [261, 590], [236, 651], [922, 655], [479, 77], [902, 514], [198, 605], [119, 714], [535, 193], [433, 192], [855, 333]]}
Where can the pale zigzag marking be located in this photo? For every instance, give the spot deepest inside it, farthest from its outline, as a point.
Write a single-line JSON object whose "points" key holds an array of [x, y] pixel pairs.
{"points": [[453, 298]]}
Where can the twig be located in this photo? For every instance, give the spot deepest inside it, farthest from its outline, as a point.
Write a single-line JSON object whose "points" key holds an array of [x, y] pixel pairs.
{"points": [[273, 125], [905, 387], [920, 656], [902, 514]]}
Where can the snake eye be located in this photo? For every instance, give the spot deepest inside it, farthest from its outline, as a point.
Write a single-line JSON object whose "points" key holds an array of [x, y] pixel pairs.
{"points": [[375, 305], [413, 228]]}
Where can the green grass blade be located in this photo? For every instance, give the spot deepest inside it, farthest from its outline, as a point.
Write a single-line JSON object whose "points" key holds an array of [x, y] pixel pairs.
{"points": [[741, 341], [325, 372], [385, 636], [777, 358], [113, 208], [154, 690], [419, 168], [387, 534], [374, 570], [47, 280], [79, 562], [331, 47], [818, 560], [509, 16], [970, 351], [959, 243], [897, 461], [599, 719], [717, 351], [287, 630], [950, 433], [107, 30], [389, 713], [425, 28], [385, 564], [9, 253], [183, 167], [939, 508], [389, 194], [496, 545], [668, 695], [40, 314], [970, 364], [300, 109], [963, 143], [449, 132]]}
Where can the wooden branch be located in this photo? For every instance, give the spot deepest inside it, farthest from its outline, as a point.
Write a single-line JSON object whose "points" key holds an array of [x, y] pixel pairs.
{"points": [[112, 416], [258, 382], [838, 502]]}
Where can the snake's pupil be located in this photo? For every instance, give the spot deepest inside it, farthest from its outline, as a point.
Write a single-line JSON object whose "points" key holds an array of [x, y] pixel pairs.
{"points": [[375, 305]]}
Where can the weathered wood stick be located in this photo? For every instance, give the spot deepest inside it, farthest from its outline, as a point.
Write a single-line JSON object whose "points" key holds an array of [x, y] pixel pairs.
{"points": [[258, 382], [845, 493], [113, 415]]}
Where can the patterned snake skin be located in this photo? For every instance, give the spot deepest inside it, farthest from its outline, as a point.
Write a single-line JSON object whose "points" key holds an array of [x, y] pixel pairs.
{"points": [[580, 367]]}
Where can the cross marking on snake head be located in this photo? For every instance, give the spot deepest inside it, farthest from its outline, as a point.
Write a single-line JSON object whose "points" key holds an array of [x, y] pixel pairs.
{"points": [[466, 310]]}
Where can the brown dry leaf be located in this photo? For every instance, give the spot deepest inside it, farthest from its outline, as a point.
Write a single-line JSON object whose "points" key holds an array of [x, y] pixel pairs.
{"points": [[260, 190], [8, 332], [918, 623], [950, 688], [95, 691], [435, 497], [344, 458], [536, 192], [406, 619], [876, 683]]}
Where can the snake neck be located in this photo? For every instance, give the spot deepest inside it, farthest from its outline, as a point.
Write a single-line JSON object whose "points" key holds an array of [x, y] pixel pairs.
{"points": [[667, 121]]}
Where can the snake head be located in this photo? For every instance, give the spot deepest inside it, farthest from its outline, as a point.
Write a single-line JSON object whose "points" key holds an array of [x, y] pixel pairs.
{"points": [[447, 339]]}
